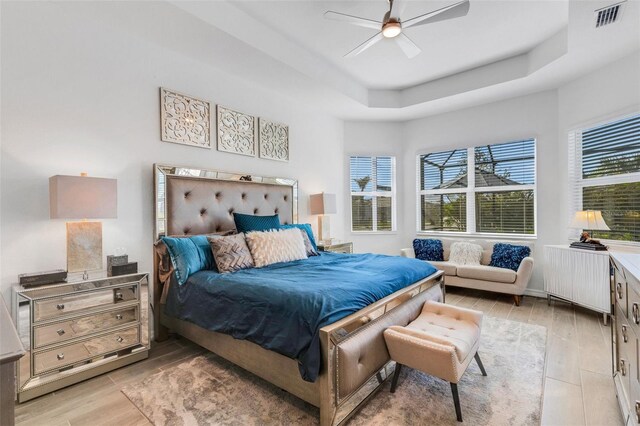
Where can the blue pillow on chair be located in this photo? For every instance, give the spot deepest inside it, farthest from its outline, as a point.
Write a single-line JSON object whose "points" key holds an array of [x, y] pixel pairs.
{"points": [[428, 249], [508, 256], [248, 222], [189, 255], [307, 228]]}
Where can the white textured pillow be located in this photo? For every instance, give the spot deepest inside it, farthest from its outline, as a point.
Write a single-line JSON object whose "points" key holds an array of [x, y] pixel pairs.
{"points": [[282, 245], [465, 253]]}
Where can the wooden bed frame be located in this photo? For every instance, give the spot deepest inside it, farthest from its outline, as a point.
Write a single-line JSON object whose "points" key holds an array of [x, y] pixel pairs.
{"points": [[355, 361]]}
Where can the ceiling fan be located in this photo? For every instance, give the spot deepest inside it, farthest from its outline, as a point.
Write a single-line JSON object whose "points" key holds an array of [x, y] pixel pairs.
{"points": [[392, 26]]}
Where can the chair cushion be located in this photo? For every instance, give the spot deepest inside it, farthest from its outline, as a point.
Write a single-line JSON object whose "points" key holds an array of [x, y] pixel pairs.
{"points": [[463, 335], [508, 255], [487, 273], [448, 267], [428, 249]]}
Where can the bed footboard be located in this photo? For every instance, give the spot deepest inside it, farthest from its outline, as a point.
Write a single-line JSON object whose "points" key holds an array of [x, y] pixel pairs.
{"points": [[354, 352]]}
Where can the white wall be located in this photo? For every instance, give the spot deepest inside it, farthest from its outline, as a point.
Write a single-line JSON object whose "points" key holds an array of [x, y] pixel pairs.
{"points": [[80, 93], [533, 116], [382, 139], [547, 116]]}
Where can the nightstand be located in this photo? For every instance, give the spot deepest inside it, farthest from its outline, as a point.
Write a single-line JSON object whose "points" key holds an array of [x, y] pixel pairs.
{"points": [[77, 330], [337, 247]]}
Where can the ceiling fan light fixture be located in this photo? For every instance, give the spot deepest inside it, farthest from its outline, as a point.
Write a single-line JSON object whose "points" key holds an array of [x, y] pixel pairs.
{"points": [[391, 29]]}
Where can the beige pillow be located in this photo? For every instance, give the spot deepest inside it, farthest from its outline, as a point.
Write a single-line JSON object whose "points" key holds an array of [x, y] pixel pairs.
{"points": [[278, 245], [465, 253], [230, 253]]}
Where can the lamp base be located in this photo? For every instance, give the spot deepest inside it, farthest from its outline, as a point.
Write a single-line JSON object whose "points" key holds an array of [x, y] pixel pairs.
{"points": [[324, 228], [84, 246]]}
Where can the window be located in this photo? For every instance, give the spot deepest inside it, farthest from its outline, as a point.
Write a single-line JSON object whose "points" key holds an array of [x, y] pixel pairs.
{"points": [[372, 183], [498, 198], [604, 167]]}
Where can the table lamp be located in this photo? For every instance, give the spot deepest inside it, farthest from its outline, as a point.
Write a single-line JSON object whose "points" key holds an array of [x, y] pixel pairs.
{"points": [[323, 205], [83, 197], [589, 220]]}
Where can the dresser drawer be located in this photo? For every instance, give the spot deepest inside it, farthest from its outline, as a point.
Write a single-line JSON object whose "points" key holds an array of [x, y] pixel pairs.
{"points": [[61, 357], [77, 303], [620, 291], [79, 327]]}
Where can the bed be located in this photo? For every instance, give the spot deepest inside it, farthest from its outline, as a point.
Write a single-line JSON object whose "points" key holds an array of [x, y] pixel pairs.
{"points": [[331, 353]]}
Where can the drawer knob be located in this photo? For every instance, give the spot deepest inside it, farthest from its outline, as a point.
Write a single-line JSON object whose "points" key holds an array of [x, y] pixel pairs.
{"points": [[60, 356], [625, 337], [119, 296], [60, 306], [635, 313], [623, 367], [619, 290], [120, 339], [60, 332], [118, 316]]}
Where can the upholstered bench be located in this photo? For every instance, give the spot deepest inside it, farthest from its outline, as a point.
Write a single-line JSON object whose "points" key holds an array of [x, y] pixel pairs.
{"points": [[441, 342]]}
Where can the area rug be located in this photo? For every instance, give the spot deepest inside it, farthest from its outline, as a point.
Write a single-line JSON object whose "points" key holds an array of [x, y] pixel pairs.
{"points": [[207, 390]]}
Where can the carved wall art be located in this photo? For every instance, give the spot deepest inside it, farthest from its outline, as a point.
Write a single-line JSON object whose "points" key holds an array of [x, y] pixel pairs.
{"points": [[236, 132], [274, 140], [185, 120]]}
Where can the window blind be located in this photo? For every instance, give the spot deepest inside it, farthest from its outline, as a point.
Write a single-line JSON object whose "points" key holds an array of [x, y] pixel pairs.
{"points": [[372, 187], [498, 198], [604, 173]]}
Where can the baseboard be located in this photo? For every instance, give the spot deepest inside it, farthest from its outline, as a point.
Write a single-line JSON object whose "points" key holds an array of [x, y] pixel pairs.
{"points": [[535, 293]]}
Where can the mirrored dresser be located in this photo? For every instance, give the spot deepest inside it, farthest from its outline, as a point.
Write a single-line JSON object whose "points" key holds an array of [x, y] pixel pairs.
{"points": [[78, 330]]}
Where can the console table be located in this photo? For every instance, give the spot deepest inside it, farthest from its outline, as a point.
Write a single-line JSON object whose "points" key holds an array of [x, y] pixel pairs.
{"points": [[578, 276]]}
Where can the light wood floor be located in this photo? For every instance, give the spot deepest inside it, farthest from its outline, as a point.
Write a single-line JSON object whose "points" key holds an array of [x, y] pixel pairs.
{"points": [[578, 387]]}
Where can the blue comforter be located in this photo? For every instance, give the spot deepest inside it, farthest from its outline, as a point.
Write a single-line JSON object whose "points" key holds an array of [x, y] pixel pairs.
{"points": [[282, 307]]}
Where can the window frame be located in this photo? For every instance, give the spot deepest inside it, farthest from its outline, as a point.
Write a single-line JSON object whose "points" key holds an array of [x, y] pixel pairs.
{"points": [[374, 196], [471, 190], [577, 182]]}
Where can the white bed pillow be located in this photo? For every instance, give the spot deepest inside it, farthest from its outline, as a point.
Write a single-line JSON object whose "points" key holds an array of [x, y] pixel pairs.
{"points": [[463, 253], [274, 246]]}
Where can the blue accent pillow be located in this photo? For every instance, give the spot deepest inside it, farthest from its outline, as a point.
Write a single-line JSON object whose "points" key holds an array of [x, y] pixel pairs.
{"points": [[189, 255], [307, 228], [248, 223], [508, 256], [428, 249]]}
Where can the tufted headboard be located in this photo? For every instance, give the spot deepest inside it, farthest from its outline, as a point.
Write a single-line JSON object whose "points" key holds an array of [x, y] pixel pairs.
{"points": [[196, 201]]}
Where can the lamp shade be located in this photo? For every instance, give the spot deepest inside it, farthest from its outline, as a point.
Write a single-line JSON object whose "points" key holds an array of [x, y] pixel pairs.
{"points": [[323, 203], [82, 197], [590, 220]]}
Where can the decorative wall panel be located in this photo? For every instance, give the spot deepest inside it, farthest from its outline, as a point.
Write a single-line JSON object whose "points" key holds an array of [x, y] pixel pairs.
{"points": [[236, 132], [185, 120], [274, 140]]}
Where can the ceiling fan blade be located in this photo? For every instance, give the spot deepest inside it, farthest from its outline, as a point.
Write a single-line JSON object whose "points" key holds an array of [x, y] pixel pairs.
{"points": [[353, 20], [364, 46], [453, 11], [408, 46]]}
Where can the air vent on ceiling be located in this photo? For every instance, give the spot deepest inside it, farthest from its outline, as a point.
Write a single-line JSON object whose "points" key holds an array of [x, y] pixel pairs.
{"points": [[608, 15]]}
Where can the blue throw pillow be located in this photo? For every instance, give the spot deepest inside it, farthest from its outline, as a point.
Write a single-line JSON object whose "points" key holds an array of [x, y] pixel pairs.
{"points": [[248, 223], [508, 256], [189, 255], [307, 228], [428, 249]]}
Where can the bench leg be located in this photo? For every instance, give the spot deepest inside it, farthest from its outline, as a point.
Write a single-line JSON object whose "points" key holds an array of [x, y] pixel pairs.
{"points": [[456, 401], [477, 357], [516, 300], [396, 374]]}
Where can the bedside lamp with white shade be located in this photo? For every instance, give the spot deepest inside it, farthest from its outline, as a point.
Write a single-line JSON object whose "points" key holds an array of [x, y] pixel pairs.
{"points": [[589, 220], [83, 197], [323, 204]]}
